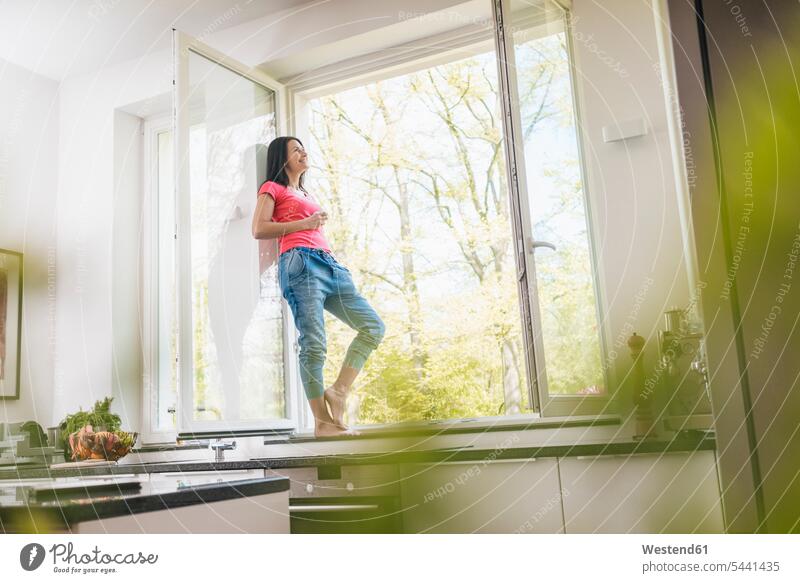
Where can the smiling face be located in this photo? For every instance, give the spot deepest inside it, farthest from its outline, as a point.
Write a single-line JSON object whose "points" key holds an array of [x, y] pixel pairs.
{"points": [[297, 159]]}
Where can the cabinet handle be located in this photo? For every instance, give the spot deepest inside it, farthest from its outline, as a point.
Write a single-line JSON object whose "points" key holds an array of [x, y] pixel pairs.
{"points": [[484, 461], [331, 507], [627, 455]]}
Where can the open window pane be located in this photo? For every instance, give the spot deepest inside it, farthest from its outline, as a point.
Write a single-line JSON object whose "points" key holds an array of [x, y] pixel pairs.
{"points": [[413, 171], [237, 330], [568, 323]]}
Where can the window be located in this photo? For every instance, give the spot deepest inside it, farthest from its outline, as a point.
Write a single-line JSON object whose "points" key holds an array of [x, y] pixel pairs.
{"points": [[414, 167], [440, 207]]}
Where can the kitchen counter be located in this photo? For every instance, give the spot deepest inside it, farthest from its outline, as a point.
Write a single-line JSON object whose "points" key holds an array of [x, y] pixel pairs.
{"points": [[694, 442], [52, 505], [324, 488]]}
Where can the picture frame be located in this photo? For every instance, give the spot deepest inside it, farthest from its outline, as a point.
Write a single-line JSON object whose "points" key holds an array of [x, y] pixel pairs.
{"points": [[11, 276]]}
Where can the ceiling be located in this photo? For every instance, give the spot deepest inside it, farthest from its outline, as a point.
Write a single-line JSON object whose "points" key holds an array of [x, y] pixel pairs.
{"points": [[61, 38]]}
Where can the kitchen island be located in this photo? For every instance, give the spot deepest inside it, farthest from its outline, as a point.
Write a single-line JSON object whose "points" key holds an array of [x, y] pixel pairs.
{"points": [[137, 504]]}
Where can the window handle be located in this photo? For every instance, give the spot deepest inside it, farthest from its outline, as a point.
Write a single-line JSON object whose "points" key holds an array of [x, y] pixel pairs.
{"points": [[535, 244], [236, 214]]}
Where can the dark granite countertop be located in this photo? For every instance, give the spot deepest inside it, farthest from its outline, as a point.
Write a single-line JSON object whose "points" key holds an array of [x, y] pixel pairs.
{"points": [[34, 508], [687, 443]]}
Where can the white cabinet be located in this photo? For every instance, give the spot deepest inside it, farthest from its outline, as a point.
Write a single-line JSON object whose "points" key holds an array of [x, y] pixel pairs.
{"points": [[482, 496], [263, 514], [644, 493], [206, 476], [349, 482]]}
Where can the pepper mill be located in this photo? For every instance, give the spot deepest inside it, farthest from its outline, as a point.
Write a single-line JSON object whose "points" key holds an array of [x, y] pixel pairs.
{"points": [[645, 426]]}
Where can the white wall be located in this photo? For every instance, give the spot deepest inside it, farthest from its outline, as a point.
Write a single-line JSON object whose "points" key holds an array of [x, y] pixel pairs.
{"points": [[304, 30], [29, 124], [126, 274], [88, 151], [631, 184]]}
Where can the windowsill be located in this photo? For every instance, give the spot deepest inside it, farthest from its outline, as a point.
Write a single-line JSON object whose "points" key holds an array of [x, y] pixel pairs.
{"points": [[206, 436], [394, 430], [455, 426]]}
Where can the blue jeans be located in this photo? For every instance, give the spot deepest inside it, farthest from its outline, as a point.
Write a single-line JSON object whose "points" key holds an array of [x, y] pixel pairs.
{"points": [[312, 280]]}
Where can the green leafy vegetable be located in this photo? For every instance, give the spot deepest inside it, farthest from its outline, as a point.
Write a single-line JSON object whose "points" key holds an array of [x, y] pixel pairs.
{"points": [[99, 417]]}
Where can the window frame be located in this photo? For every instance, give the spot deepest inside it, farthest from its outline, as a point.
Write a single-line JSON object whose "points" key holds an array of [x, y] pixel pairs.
{"points": [[182, 45], [555, 405], [386, 63], [151, 249]]}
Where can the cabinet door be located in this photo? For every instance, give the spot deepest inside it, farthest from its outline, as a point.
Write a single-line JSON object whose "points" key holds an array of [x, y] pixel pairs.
{"points": [[344, 481], [263, 514], [480, 496], [646, 493]]}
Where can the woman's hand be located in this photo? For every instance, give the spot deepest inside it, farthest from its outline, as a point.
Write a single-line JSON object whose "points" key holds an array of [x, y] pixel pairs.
{"points": [[316, 220]]}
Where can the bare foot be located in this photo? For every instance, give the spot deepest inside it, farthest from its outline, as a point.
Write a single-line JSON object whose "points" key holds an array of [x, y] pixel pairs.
{"points": [[329, 429], [336, 399]]}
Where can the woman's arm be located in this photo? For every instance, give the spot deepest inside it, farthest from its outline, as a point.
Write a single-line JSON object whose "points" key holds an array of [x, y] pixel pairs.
{"points": [[263, 225]]}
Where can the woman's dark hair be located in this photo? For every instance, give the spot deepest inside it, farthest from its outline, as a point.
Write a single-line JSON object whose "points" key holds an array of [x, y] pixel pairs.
{"points": [[277, 158]]}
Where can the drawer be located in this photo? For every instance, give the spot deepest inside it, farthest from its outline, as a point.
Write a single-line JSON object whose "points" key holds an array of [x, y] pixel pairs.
{"points": [[346, 515], [482, 497], [208, 476], [675, 492], [340, 481]]}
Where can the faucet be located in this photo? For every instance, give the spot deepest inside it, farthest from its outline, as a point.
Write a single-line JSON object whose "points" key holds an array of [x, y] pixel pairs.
{"points": [[219, 448], [700, 366]]}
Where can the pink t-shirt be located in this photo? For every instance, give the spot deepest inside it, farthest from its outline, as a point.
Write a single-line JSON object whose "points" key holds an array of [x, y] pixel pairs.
{"points": [[291, 206]]}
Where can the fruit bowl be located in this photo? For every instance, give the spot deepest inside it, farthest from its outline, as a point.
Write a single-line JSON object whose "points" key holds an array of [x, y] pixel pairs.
{"points": [[88, 444]]}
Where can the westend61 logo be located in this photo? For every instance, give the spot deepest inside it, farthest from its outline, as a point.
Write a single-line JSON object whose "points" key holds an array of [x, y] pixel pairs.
{"points": [[32, 556]]}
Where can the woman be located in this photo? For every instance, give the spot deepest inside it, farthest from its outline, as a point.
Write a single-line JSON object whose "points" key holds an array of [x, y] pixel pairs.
{"points": [[312, 280]]}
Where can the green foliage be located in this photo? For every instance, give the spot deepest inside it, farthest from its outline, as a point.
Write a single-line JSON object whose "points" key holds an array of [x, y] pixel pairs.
{"points": [[99, 417]]}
